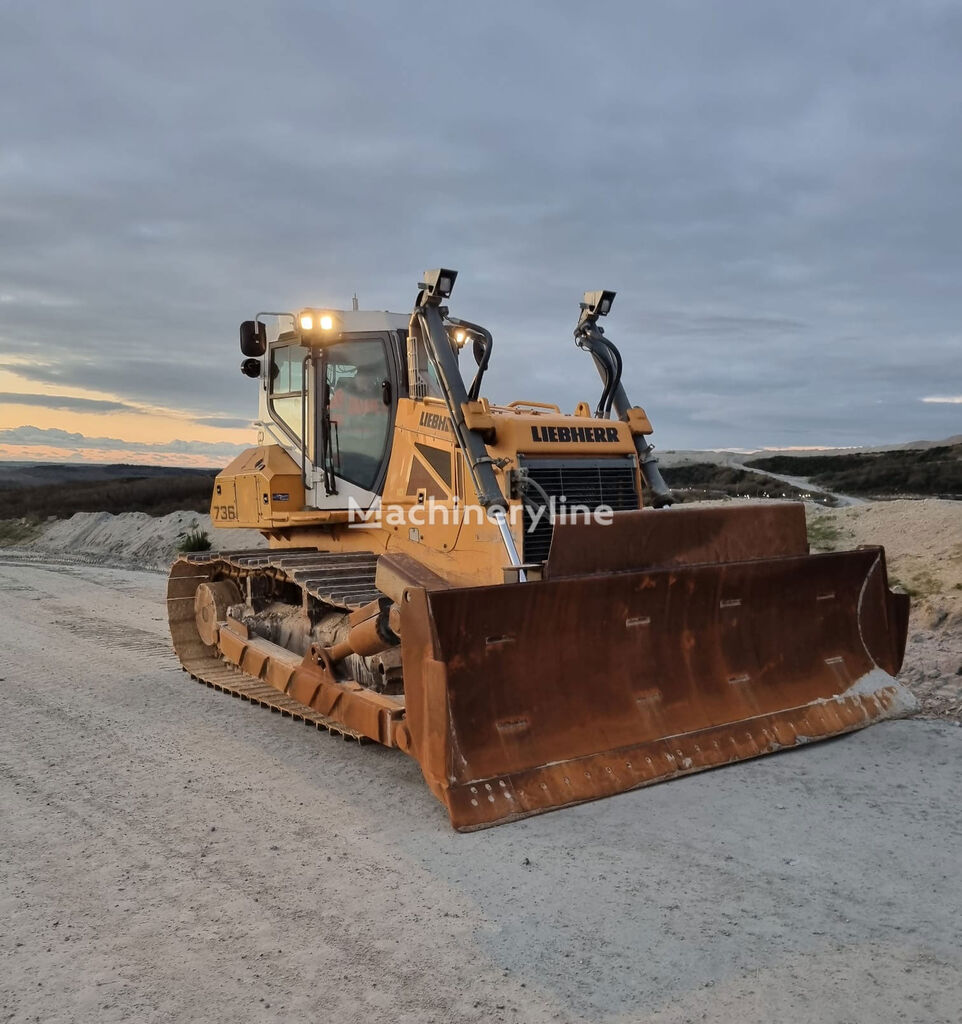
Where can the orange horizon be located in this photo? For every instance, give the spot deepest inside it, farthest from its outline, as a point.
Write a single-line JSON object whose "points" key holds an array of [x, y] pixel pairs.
{"points": [[103, 457], [133, 432]]}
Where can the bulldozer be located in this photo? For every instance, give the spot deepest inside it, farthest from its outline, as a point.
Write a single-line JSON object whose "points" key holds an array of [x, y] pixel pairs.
{"points": [[505, 592]]}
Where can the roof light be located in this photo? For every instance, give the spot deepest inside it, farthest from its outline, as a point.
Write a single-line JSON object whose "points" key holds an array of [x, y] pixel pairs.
{"points": [[436, 286], [318, 326], [598, 303]]}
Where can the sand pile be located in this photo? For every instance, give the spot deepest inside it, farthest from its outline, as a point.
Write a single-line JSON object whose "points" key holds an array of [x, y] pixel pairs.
{"points": [[133, 538]]}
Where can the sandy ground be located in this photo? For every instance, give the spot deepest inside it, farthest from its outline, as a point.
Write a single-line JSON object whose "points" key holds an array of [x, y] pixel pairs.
{"points": [[923, 546], [171, 854]]}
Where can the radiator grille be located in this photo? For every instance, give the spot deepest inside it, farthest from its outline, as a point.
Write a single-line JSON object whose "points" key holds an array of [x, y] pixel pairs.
{"points": [[582, 482]]}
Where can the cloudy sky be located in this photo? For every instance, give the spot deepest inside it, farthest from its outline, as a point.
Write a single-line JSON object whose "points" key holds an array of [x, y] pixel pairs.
{"points": [[774, 190]]}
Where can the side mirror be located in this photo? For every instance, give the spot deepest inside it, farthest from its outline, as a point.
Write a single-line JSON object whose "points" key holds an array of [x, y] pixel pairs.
{"points": [[253, 338], [251, 367]]}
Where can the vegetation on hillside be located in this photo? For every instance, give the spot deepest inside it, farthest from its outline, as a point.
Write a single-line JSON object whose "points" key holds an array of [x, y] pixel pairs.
{"points": [[156, 496], [701, 481], [916, 471], [40, 474], [16, 531]]}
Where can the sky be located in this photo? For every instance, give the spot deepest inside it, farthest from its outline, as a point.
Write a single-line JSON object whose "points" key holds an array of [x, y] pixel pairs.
{"points": [[773, 190]]}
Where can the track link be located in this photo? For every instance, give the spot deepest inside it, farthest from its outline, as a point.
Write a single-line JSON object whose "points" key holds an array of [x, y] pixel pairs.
{"points": [[218, 675], [340, 580]]}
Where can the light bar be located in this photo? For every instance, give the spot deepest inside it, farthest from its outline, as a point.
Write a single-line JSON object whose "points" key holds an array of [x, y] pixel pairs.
{"points": [[314, 324]]}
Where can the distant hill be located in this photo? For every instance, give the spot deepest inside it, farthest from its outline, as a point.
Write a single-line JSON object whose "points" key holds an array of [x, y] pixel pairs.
{"points": [[935, 470], [38, 474], [37, 491]]}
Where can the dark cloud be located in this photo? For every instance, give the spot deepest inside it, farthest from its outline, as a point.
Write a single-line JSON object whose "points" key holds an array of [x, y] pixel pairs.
{"points": [[184, 384], [771, 187], [96, 405], [65, 402]]}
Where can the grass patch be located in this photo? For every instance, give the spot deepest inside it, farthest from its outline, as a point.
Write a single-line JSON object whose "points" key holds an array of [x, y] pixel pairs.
{"points": [[822, 534], [924, 584], [16, 531], [897, 585], [917, 579], [195, 540]]}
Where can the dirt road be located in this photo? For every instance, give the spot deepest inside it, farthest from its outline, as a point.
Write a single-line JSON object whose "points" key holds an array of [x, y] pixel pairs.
{"points": [[170, 854]]}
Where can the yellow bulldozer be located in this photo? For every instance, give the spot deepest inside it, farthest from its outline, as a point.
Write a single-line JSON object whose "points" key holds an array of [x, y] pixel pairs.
{"points": [[504, 592]]}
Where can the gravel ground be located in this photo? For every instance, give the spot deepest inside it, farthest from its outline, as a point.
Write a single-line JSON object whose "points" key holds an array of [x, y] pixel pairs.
{"points": [[171, 854]]}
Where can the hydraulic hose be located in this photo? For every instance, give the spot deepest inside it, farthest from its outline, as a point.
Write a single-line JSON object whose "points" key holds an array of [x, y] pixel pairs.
{"points": [[588, 336], [481, 348]]}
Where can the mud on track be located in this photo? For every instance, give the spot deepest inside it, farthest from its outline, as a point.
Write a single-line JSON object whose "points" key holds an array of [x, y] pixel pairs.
{"points": [[168, 853]]}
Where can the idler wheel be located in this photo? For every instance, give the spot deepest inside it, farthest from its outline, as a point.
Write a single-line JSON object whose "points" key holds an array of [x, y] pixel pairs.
{"points": [[211, 602]]}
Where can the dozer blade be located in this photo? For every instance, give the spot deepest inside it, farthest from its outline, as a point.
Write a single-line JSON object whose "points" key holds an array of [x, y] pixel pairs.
{"points": [[526, 697]]}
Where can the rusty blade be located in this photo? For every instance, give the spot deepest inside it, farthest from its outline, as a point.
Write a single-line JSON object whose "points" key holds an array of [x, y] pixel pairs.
{"points": [[526, 697], [648, 538]]}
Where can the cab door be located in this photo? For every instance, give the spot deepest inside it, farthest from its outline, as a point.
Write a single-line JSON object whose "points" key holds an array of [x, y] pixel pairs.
{"points": [[356, 387]]}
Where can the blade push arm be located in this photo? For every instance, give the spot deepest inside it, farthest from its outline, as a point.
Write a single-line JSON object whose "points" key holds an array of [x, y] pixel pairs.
{"points": [[427, 326]]}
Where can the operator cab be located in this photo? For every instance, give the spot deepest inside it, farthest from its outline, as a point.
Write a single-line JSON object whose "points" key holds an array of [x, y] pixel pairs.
{"points": [[330, 381]]}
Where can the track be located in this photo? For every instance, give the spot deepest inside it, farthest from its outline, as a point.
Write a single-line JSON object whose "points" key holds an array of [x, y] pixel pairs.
{"points": [[344, 581]]}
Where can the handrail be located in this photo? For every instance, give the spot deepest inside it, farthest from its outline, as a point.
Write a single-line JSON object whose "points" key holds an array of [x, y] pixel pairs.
{"points": [[304, 363], [521, 404]]}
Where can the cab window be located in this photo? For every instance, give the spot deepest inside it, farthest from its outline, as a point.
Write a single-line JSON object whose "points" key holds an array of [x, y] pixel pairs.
{"points": [[358, 379], [426, 382], [287, 385]]}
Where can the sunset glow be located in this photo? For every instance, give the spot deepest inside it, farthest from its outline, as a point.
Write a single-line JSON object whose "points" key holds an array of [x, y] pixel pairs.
{"points": [[68, 424]]}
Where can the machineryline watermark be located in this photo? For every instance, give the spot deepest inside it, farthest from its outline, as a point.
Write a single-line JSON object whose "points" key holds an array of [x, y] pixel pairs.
{"points": [[429, 512]]}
